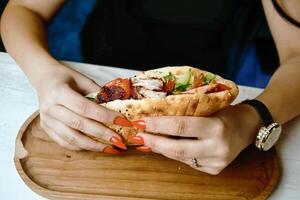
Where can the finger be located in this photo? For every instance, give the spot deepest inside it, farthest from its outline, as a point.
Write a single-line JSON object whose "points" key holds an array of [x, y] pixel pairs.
{"points": [[200, 127], [213, 162], [176, 149], [83, 83], [85, 125], [208, 165], [73, 137], [86, 108], [87, 85], [56, 138], [207, 169]]}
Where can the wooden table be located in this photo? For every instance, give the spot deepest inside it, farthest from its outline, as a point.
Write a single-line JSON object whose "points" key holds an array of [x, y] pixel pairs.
{"points": [[18, 100]]}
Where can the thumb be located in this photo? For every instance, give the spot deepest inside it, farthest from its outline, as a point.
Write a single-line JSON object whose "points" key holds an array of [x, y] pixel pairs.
{"points": [[87, 85]]}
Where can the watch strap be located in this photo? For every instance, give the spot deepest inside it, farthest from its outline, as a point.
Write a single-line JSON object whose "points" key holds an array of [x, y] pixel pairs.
{"points": [[261, 109]]}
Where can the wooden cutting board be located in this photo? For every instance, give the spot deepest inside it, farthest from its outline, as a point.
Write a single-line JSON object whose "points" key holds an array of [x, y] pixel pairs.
{"points": [[57, 173]]}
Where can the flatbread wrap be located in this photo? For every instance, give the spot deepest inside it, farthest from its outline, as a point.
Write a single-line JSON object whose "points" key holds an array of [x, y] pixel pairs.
{"points": [[167, 91]]}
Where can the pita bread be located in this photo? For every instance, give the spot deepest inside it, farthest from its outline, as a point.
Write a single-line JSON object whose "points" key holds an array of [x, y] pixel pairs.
{"points": [[184, 104]]}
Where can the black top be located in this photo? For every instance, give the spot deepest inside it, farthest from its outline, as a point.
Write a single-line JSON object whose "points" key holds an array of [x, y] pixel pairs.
{"points": [[145, 34]]}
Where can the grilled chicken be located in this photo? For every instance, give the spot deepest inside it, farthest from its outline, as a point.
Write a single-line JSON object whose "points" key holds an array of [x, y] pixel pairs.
{"points": [[132, 88], [116, 89], [149, 84]]}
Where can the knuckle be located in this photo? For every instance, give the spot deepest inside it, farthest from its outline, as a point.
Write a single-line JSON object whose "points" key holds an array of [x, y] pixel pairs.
{"points": [[152, 144], [180, 126], [83, 107], [72, 140], [77, 124], [101, 116], [44, 108], [179, 152], [57, 93], [219, 128], [222, 163], [106, 134], [223, 151], [42, 124]]}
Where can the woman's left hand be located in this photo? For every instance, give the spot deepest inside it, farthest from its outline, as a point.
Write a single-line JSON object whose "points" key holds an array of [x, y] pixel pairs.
{"points": [[207, 144]]}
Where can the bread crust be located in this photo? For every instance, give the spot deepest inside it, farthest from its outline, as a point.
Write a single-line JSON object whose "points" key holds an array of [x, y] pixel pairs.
{"points": [[196, 104]]}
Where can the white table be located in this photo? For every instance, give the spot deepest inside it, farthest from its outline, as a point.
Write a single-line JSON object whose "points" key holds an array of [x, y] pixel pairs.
{"points": [[18, 101]]}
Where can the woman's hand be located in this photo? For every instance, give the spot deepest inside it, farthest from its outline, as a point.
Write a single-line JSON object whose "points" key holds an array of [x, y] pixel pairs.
{"points": [[207, 144], [66, 114]]}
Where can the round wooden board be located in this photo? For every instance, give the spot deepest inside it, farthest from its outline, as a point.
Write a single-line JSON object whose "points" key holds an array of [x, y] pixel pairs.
{"points": [[57, 173]]}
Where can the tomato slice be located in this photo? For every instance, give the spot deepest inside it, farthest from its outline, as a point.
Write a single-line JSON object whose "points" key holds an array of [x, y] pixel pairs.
{"points": [[221, 87], [115, 82], [169, 86], [123, 83], [218, 88]]}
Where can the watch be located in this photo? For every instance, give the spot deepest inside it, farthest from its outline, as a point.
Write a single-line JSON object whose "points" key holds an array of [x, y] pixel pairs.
{"points": [[270, 132]]}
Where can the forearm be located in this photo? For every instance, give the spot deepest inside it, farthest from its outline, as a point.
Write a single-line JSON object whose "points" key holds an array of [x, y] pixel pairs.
{"points": [[281, 96], [23, 34], [283, 91]]}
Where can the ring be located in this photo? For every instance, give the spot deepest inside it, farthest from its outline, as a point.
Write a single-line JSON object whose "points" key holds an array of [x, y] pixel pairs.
{"points": [[195, 163]]}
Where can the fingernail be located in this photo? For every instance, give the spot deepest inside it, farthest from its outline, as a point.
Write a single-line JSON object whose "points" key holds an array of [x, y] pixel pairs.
{"points": [[139, 124], [144, 149], [111, 150], [136, 140], [117, 142], [121, 121]]}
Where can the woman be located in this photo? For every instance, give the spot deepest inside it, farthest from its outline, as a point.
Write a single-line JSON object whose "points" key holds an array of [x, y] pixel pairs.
{"points": [[145, 28]]}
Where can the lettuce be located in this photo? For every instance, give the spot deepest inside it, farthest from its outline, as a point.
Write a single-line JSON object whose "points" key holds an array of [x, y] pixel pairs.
{"points": [[183, 82], [209, 77], [169, 77]]}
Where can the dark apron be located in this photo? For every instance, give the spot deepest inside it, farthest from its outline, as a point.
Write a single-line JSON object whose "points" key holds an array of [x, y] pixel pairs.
{"points": [[146, 34]]}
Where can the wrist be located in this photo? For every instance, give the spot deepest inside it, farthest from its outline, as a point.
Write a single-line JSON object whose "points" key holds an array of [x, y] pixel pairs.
{"points": [[249, 119], [244, 120], [46, 73]]}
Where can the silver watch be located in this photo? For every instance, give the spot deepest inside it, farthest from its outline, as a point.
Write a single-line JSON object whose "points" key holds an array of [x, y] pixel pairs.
{"points": [[268, 136]]}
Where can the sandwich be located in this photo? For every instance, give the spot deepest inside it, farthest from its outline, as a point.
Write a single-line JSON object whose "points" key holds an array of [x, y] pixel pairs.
{"points": [[167, 91]]}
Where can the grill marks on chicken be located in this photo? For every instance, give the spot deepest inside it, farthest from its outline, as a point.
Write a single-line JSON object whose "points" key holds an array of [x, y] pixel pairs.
{"points": [[113, 90], [110, 94]]}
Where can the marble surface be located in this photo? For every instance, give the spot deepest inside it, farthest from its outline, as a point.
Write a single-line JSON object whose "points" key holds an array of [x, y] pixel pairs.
{"points": [[18, 100]]}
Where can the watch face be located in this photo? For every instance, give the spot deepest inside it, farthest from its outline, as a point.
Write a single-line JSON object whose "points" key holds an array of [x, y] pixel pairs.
{"points": [[272, 138]]}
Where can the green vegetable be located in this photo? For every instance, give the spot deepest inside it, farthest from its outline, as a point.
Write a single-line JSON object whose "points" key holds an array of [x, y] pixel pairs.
{"points": [[169, 77], [180, 87], [183, 82], [185, 78], [92, 96], [209, 77]]}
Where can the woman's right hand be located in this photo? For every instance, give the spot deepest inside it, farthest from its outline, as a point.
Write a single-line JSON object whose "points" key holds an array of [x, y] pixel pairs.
{"points": [[65, 113]]}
